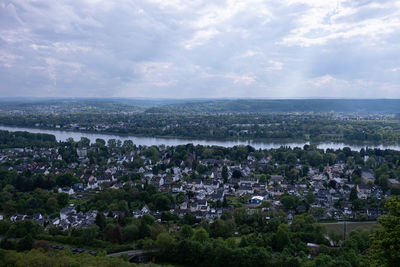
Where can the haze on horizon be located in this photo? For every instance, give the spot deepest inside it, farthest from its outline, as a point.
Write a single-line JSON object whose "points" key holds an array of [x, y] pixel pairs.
{"points": [[200, 49]]}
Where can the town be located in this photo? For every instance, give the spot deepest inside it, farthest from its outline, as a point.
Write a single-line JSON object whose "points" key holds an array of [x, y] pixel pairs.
{"points": [[203, 182]]}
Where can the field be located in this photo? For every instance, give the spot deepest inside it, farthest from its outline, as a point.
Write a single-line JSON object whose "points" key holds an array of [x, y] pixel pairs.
{"points": [[338, 227]]}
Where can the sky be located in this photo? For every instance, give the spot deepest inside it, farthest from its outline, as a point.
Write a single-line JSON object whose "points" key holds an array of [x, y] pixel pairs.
{"points": [[200, 49]]}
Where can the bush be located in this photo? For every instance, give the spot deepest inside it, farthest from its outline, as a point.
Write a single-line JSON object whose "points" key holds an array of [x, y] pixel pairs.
{"points": [[131, 233], [25, 243], [42, 244], [45, 237]]}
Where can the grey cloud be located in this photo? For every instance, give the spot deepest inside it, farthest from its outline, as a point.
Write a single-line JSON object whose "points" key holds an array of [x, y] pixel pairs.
{"points": [[178, 48]]}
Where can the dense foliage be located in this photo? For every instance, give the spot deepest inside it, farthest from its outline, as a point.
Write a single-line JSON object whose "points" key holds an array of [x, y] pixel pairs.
{"points": [[25, 139], [53, 259]]}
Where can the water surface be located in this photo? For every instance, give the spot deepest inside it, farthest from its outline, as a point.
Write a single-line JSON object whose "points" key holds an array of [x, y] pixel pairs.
{"points": [[149, 141]]}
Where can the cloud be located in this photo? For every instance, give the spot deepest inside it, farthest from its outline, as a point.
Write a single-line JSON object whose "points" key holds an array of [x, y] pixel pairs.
{"points": [[324, 21], [176, 48], [200, 37], [274, 65]]}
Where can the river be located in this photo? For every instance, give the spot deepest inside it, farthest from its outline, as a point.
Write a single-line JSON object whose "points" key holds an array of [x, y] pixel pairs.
{"points": [[149, 141]]}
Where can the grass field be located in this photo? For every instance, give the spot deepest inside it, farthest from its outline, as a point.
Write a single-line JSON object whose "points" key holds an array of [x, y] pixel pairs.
{"points": [[338, 227]]}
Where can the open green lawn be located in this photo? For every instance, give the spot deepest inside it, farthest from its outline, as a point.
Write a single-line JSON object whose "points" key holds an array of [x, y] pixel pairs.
{"points": [[338, 227], [232, 200]]}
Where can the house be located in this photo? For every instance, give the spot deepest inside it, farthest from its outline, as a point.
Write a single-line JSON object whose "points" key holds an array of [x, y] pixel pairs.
{"points": [[245, 188], [346, 207], [367, 176], [197, 183], [393, 183], [140, 213], [313, 247], [201, 204], [218, 195], [290, 218], [17, 217], [183, 205], [92, 184], [363, 191], [79, 187], [276, 179], [277, 191], [208, 184], [67, 190], [82, 152], [145, 209], [157, 181], [67, 211], [256, 200], [374, 213], [250, 180], [104, 178], [177, 189]]}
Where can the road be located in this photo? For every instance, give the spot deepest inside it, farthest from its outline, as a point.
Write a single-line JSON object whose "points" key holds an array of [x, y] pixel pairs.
{"points": [[133, 253]]}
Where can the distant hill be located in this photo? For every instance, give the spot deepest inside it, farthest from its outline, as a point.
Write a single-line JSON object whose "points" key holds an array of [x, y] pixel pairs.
{"points": [[39, 105], [296, 105]]}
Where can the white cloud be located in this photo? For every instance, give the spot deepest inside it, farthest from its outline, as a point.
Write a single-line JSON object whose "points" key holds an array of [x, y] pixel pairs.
{"points": [[200, 37], [323, 21], [324, 81], [274, 65], [155, 73], [176, 48], [55, 66], [8, 60], [241, 79]]}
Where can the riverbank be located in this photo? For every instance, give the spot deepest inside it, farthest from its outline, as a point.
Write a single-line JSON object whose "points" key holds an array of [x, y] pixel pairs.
{"points": [[62, 135]]}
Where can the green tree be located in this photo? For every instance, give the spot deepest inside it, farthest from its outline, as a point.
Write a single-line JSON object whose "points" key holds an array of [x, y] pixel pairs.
{"points": [[84, 142], [114, 233], [224, 174], [155, 230], [62, 199], [162, 202], [131, 233], [221, 228], [186, 232], [25, 243], [100, 220], [282, 237], [310, 198], [383, 182], [200, 235], [164, 242], [386, 240], [9, 207], [371, 163], [89, 234], [353, 194], [289, 201]]}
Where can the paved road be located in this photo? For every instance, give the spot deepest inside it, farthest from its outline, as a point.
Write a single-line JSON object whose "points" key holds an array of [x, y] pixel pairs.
{"points": [[133, 253], [351, 222]]}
